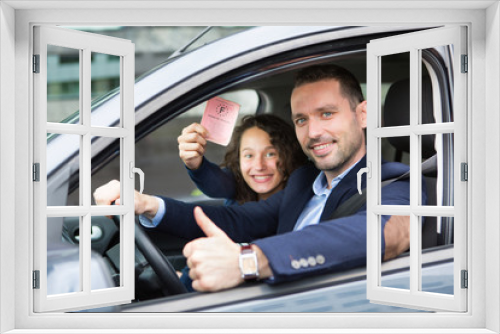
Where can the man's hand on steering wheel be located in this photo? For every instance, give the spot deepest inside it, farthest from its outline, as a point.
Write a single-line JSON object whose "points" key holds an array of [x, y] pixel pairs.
{"points": [[148, 206], [109, 193]]}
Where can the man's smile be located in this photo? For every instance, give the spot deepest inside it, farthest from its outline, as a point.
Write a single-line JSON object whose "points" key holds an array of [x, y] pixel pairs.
{"points": [[322, 148]]}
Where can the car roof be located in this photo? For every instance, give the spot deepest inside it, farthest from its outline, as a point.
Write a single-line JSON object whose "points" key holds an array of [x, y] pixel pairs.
{"points": [[183, 74]]}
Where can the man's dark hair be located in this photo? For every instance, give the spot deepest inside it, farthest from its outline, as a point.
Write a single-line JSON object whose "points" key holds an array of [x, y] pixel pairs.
{"points": [[349, 85]]}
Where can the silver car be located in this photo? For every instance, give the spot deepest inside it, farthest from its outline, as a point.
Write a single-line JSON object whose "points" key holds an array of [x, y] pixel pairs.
{"points": [[254, 67]]}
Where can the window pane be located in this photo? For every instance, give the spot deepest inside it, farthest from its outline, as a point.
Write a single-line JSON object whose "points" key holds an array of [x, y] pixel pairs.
{"points": [[111, 171], [438, 278], [435, 110], [395, 92], [395, 149], [63, 167], [106, 231], [105, 80], [63, 84], [402, 279], [63, 257], [437, 168]]}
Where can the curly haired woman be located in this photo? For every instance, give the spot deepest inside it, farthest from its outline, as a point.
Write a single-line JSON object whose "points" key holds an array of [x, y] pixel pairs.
{"points": [[261, 156]]}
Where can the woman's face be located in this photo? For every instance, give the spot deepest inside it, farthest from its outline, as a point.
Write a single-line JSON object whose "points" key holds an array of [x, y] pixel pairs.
{"points": [[259, 163]]}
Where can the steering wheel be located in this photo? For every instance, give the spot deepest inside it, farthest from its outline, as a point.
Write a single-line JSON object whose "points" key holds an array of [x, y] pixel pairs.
{"points": [[158, 261]]}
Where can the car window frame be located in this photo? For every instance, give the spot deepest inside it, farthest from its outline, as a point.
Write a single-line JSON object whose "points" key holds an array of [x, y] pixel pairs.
{"points": [[260, 70], [285, 63]]}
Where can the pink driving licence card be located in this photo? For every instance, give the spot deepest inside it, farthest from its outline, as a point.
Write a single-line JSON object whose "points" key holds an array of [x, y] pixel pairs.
{"points": [[219, 119]]}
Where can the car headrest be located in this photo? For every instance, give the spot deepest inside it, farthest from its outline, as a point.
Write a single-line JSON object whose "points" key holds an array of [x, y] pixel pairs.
{"points": [[397, 113]]}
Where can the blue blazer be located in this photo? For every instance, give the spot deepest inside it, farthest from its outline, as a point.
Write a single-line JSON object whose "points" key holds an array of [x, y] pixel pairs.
{"points": [[332, 245], [203, 177]]}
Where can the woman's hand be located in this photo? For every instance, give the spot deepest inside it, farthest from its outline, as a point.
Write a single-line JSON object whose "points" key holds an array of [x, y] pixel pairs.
{"points": [[192, 145]]}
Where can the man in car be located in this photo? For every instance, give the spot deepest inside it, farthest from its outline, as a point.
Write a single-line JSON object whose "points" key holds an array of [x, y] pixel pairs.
{"points": [[291, 234]]}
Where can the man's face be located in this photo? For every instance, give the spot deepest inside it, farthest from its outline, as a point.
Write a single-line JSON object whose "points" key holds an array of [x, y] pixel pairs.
{"points": [[328, 130]]}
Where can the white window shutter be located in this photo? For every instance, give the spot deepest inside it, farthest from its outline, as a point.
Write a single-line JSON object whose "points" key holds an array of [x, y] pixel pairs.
{"points": [[65, 275], [413, 296]]}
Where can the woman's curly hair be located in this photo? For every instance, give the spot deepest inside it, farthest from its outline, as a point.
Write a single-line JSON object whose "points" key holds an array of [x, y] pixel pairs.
{"points": [[282, 137]]}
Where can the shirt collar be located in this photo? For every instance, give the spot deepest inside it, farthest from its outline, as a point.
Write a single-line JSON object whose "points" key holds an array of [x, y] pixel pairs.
{"points": [[320, 183]]}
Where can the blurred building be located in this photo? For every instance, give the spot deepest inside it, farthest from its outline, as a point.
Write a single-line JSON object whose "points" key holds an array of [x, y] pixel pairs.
{"points": [[153, 46]]}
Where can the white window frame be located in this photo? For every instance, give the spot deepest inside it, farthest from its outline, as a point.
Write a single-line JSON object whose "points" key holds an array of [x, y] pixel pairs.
{"points": [[413, 44], [16, 20], [86, 44]]}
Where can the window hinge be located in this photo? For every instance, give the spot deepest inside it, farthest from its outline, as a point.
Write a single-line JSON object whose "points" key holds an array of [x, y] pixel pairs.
{"points": [[36, 279], [36, 172], [36, 63], [464, 167], [465, 64], [465, 279]]}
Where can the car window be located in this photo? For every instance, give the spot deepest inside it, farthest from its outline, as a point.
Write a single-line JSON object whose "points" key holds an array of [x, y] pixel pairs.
{"points": [[157, 154]]}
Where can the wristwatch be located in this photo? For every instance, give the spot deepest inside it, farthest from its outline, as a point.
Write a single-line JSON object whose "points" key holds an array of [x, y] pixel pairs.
{"points": [[248, 263]]}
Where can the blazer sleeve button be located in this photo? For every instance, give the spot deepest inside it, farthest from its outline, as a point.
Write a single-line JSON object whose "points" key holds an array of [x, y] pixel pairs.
{"points": [[295, 264]]}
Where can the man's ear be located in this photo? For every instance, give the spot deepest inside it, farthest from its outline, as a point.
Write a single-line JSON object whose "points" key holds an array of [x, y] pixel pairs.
{"points": [[361, 114]]}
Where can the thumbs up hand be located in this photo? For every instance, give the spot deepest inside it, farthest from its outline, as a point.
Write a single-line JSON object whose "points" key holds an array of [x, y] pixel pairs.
{"points": [[212, 260]]}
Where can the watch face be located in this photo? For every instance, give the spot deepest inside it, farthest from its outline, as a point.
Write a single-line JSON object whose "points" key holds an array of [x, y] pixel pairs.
{"points": [[248, 264]]}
